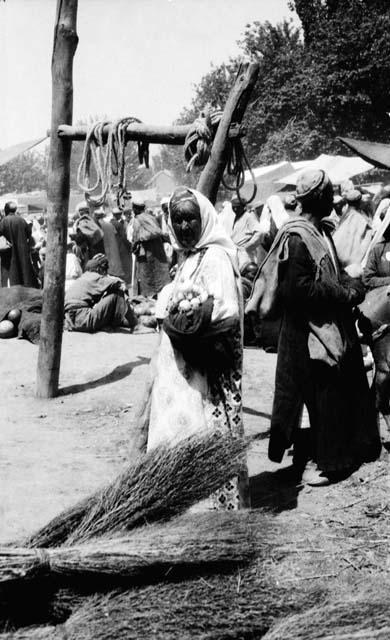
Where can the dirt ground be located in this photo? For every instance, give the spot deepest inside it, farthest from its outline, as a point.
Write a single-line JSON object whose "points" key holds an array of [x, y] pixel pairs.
{"points": [[54, 452]]}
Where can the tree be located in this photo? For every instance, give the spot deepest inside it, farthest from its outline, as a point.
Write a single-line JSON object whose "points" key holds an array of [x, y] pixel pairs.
{"points": [[328, 79], [347, 52], [276, 98], [27, 172], [294, 140]]}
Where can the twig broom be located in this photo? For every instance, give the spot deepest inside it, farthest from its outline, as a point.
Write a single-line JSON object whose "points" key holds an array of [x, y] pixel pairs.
{"points": [[164, 483], [188, 543]]}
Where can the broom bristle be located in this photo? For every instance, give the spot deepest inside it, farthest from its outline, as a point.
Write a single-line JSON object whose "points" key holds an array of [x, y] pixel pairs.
{"points": [[239, 605], [190, 542], [366, 616], [164, 483]]}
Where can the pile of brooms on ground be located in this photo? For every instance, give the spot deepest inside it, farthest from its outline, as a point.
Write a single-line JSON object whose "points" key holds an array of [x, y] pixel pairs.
{"points": [[128, 562]]}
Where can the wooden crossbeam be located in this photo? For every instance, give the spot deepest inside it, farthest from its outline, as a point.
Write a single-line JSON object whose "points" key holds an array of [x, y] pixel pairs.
{"points": [[175, 135], [140, 132]]}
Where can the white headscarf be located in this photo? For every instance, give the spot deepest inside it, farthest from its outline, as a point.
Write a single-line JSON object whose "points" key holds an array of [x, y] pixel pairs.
{"points": [[212, 232], [273, 209]]}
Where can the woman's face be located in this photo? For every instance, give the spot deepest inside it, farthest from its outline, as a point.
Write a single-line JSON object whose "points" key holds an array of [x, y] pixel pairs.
{"points": [[186, 224]]}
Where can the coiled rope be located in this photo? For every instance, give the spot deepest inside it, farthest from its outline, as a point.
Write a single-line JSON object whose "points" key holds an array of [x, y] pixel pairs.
{"points": [[197, 145], [108, 160], [197, 149], [235, 167]]}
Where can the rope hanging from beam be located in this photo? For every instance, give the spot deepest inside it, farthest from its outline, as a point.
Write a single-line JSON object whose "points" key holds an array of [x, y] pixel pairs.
{"points": [[108, 160], [235, 167]]}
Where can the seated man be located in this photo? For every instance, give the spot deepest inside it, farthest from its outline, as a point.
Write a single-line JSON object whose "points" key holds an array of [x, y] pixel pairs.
{"points": [[96, 300]]}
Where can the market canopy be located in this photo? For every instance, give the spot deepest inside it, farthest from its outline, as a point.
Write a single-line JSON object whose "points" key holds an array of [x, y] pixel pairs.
{"points": [[266, 178], [6, 155], [338, 168], [375, 152]]}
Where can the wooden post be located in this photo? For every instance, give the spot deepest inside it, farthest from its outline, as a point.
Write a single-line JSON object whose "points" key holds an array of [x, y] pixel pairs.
{"points": [[64, 47], [234, 111]]}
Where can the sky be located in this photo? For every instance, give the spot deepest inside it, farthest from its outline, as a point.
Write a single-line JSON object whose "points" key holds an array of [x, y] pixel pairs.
{"points": [[134, 58]]}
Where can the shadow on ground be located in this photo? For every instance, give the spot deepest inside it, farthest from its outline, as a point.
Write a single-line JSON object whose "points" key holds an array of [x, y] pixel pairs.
{"points": [[274, 490], [254, 412], [116, 374]]}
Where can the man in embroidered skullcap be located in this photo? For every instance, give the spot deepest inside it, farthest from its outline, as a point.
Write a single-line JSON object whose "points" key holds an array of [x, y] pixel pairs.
{"points": [[319, 365]]}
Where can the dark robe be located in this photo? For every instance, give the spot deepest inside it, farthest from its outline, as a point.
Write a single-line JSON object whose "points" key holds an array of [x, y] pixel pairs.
{"points": [[341, 408], [152, 268], [124, 248], [16, 265], [111, 249]]}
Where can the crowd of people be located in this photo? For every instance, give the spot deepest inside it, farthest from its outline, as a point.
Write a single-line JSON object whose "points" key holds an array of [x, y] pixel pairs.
{"points": [[316, 251]]}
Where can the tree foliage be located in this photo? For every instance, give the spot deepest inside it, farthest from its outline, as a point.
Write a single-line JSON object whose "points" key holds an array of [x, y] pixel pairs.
{"points": [[347, 52], [27, 172], [328, 78]]}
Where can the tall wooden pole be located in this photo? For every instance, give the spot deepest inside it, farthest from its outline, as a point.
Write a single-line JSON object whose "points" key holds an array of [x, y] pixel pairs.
{"points": [[233, 112], [64, 47]]}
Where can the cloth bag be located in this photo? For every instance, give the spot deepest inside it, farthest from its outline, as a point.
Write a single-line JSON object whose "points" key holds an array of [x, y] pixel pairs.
{"points": [[5, 246]]}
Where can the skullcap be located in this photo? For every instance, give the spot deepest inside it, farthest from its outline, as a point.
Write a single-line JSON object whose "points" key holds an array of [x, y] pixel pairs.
{"points": [[309, 181]]}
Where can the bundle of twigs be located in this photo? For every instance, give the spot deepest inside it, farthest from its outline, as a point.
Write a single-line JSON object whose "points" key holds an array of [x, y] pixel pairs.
{"points": [[242, 604], [187, 543], [162, 484], [365, 617]]}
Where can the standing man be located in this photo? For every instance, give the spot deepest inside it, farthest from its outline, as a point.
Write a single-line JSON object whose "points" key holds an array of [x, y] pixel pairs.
{"points": [[353, 236], [85, 234], [244, 229], [124, 245], [110, 244], [16, 264], [152, 269], [320, 363]]}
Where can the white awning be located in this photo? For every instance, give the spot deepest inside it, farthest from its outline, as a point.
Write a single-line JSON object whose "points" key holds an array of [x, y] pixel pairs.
{"points": [[338, 168]]}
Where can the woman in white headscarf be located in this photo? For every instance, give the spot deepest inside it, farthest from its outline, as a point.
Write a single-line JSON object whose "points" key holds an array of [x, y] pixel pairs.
{"points": [[197, 379]]}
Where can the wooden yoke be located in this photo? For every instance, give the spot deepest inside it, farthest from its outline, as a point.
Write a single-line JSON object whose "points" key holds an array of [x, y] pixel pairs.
{"points": [[233, 114], [64, 47]]}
